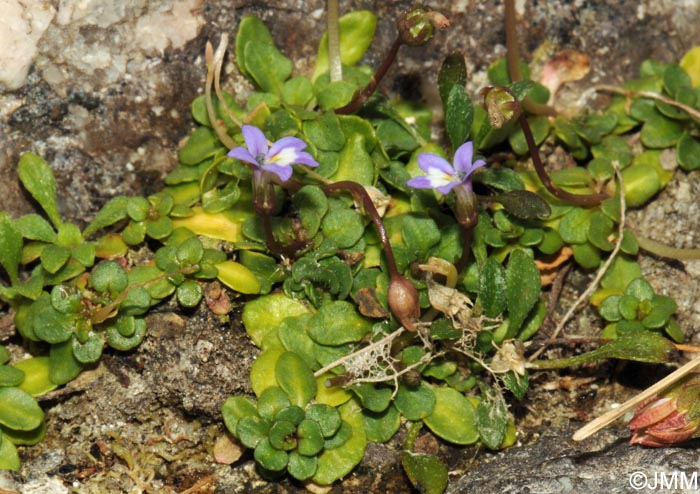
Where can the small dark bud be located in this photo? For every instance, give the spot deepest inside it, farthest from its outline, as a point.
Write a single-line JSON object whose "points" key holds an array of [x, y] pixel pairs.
{"points": [[412, 378], [403, 301], [501, 106], [417, 26]]}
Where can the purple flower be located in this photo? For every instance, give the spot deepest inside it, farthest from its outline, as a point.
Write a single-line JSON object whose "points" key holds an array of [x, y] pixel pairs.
{"points": [[278, 158], [441, 175]]}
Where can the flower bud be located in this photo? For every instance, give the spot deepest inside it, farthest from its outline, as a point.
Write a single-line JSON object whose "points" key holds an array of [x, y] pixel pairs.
{"points": [[403, 301], [670, 418], [417, 26]]}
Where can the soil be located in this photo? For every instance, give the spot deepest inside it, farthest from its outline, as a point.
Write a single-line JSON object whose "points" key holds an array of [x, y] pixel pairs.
{"points": [[146, 420]]}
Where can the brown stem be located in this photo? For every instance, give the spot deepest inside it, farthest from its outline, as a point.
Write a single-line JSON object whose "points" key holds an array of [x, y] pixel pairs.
{"points": [[586, 200], [468, 233], [360, 194], [513, 61], [360, 97]]}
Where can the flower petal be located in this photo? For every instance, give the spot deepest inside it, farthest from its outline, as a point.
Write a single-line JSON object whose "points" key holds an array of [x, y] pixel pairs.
{"points": [[445, 189], [463, 157], [284, 172], [306, 159], [241, 153], [255, 140], [421, 182], [287, 142], [429, 161]]}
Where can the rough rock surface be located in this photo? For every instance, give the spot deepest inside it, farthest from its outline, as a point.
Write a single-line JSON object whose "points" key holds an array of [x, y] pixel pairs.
{"points": [[102, 91]]}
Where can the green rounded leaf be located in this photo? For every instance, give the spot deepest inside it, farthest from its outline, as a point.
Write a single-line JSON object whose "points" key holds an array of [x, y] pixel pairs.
{"points": [[267, 66], [292, 413], [660, 132], [374, 397], [9, 458], [609, 308], [89, 351], [24, 438], [203, 143], [48, 324], [235, 408], [415, 402], [265, 314], [453, 417], [282, 435], [355, 163], [295, 378], [189, 293], [492, 287], [10, 376], [108, 276], [66, 299], [426, 472], [574, 226], [688, 152], [338, 323], [342, 224], [252, 430], [380, 427], [54, 257], [327, 417], [269, 457], [63, 366], [271, 401], [125, 325], [310, 438], [641, 183], [420, 234], [301, 467], [19, 410]]}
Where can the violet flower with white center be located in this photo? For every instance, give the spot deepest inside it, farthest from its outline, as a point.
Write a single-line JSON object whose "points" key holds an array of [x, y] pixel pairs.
{"points": [[277, 159], [445, 178], [441, 175]]}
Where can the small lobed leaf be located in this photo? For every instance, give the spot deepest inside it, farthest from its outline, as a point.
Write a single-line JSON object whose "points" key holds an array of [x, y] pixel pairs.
{"points": [[335, 463], [235, 408]]}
